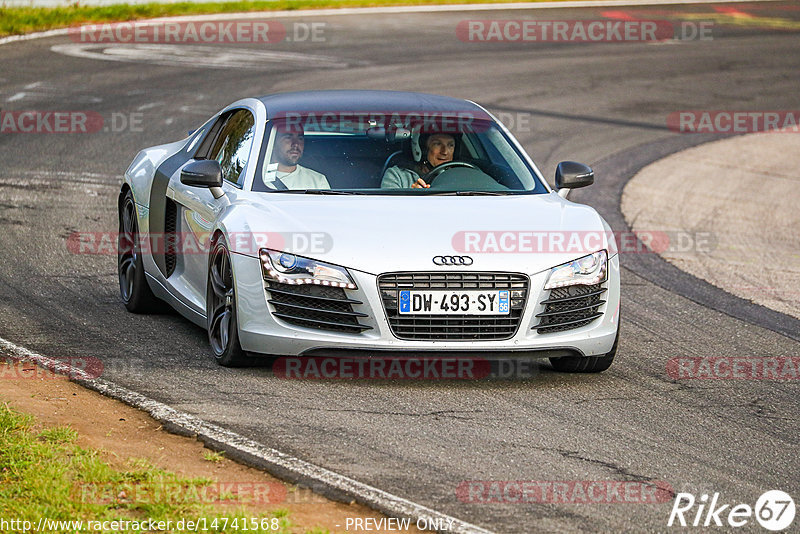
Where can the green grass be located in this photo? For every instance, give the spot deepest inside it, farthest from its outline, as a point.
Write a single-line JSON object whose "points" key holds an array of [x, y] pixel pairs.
{"points": [[44, 474], [19, 20], [216, 457]]}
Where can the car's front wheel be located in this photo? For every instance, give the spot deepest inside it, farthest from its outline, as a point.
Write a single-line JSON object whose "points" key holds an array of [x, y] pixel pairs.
{"points": [[133, 288], [223, 328], [586, 364]]}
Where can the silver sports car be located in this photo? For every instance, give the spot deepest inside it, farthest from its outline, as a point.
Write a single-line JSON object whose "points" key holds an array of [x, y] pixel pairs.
{"points": [[361, 222]]}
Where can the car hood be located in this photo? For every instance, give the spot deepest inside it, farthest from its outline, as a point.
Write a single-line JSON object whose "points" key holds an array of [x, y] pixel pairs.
{"points": [[378, 233]]}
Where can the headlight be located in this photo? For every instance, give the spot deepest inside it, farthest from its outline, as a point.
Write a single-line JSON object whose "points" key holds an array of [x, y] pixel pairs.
{"points": [[287, 268], [588, 270]]}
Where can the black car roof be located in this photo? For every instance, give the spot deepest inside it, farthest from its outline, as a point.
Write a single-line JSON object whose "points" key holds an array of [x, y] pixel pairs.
{"points": [[360, 101]]}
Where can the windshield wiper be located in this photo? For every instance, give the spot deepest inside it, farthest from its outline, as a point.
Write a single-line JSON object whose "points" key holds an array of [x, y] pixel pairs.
{"points": [[481, 193], [317, 191]]}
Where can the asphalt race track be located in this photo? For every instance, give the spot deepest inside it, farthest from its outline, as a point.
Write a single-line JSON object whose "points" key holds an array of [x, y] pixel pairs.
{"points": [[604, 104]]}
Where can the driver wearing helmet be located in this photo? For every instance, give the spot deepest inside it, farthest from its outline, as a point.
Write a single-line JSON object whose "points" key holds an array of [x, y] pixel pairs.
{"points": [[429, 151]]}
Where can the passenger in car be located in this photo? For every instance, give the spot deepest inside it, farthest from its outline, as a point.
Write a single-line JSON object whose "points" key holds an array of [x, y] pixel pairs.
{"points": [[289, 174], [432, 151]]}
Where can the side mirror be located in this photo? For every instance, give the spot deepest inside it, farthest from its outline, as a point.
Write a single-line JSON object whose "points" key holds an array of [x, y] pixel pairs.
{"points": [[571, 175], [204, 173]]}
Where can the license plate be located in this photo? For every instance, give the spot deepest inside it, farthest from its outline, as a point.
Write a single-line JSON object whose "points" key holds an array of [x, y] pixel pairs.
{"points": [[454, 302]]}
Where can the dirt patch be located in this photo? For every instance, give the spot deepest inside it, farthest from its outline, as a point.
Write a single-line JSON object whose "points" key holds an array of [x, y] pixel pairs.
{"points": [[122, 433]]}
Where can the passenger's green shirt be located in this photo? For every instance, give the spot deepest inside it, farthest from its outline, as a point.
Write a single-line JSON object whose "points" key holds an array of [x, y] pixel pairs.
{"points": [[399, 177]]}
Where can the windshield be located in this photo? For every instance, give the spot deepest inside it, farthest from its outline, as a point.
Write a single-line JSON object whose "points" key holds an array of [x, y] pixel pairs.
{"points": [[393, 154]]}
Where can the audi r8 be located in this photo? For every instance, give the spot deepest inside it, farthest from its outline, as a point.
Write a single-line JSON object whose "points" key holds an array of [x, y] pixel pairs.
{"points": [[277, 226]]}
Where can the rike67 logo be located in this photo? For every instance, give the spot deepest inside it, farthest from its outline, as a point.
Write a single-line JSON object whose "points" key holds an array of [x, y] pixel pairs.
{"points": [[774, 510]]}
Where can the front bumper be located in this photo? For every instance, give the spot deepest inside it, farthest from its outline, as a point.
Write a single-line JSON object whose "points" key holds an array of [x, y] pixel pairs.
{"points": [[261, 332]]}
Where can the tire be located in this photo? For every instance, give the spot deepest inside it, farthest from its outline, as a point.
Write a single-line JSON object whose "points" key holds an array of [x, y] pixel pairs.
{"points": [[586, 364], [223, 328], [133, 287]]}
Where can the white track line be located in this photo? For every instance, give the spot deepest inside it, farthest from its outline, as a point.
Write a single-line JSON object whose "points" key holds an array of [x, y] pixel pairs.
{"points": [[238, 447], [399, 10]]}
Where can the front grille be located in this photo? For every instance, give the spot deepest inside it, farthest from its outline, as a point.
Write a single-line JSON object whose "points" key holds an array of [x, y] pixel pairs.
{"points": [[570, 307], [313, 306], [453, 327]]}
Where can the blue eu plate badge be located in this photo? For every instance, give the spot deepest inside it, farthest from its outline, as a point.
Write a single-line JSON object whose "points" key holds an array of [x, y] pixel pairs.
{"points": [[405, 301], [503, 301]]}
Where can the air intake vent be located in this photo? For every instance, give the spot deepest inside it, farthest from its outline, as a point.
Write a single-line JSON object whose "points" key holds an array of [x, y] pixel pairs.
{"points": [[570, 307], [170, 237], [312, 306]]}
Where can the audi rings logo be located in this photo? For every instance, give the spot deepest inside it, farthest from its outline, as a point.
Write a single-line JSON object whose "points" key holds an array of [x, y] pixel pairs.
{"points": [[452, 260]]}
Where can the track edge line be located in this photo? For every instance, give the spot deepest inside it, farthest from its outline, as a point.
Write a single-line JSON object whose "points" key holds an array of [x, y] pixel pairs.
{"points": [[328, 483]]}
